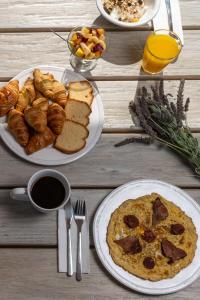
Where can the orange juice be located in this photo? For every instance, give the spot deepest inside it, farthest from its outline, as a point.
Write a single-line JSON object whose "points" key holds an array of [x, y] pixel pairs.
{"points": [[160, 50]]}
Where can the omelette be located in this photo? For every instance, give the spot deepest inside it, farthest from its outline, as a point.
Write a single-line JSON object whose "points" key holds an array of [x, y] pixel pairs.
{"points": [[151, 237]]}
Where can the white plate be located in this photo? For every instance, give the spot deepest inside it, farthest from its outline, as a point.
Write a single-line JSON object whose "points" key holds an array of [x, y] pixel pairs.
{"points": [[50, 156], [133, 190]]}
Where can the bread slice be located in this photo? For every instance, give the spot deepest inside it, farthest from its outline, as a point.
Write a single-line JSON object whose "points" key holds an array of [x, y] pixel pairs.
{"points": [[77, 111], [72, 138], [81, 90]]}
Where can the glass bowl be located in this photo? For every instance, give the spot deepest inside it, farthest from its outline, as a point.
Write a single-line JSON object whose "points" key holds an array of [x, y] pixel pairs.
{"points": [[78, 63]]}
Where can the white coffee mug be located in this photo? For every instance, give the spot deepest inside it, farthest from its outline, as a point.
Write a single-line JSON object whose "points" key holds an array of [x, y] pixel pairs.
{"points": [[25, 193]]}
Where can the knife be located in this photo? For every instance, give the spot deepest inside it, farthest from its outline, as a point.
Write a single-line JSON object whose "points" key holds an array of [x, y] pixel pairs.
{"points": [[69, 216]]}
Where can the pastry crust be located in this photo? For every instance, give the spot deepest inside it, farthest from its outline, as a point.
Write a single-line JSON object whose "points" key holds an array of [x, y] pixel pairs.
{"points": [[142, 209]]}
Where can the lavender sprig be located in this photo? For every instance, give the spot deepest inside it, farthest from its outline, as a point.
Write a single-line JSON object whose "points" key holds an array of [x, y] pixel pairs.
{"points": [[165, 121]]}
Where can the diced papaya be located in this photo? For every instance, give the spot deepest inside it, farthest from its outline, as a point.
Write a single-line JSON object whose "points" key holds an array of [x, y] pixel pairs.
{"points": [[100, 31], [98, 54]]}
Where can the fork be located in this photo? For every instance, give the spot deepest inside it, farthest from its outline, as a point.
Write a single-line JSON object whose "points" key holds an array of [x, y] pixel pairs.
{"points": [[79, 216]]}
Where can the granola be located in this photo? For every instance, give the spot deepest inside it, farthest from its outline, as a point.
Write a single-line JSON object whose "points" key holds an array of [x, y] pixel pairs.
{"points": [[125, 10]]}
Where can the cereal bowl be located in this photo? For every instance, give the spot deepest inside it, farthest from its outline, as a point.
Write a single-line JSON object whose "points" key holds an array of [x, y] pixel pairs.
{"points": [[146, 11]]}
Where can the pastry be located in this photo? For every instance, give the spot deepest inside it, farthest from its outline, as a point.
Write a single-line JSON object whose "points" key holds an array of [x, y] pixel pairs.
{"points": [[9, 95], [42, 103], [36, 118], [50, 88], [40, 140], [151, 237], [26, 95], [56, 118], [18, 127]]}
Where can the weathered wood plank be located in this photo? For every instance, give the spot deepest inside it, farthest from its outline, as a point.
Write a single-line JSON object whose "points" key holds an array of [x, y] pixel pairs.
{"points": [[116, 96], [122, 58], [107, 166], [32, 274], [21, 225], [68, 14]]}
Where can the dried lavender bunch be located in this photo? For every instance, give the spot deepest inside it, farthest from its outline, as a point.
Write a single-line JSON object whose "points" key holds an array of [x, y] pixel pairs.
{"points": [[165, 121]]}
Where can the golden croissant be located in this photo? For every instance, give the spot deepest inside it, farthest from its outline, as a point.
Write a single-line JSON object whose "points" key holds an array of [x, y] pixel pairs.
{"points": [[9, 95], [56, 118], [18, 127], [41, 102], [50, 87], [36, 118], [26, 95], [40, 140]]}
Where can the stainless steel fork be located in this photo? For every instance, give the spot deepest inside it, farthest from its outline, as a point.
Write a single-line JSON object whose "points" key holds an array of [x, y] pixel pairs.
{"points": [[79, 216]]}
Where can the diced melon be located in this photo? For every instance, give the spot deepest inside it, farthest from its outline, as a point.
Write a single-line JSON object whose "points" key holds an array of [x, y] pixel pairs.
{"points": [[91, 56], [102, 37], [71, 44], [94, 32], [103, 44], [85, 30], [74, 37], [90, 45], [85, 49], [79, 52], [94, 39]]}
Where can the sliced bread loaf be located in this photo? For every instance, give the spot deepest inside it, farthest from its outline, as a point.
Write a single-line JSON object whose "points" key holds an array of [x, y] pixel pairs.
{"points": [[81, 90], [77, 111], [72, 138]]}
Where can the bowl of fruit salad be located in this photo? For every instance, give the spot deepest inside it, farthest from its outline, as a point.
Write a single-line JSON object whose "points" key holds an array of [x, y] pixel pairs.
{"points": [[86, 44], [128, 13]]}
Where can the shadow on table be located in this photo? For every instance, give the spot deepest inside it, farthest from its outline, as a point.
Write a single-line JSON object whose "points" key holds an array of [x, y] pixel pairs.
{"points": [[148, 84], [103, 269], [124, 47]]}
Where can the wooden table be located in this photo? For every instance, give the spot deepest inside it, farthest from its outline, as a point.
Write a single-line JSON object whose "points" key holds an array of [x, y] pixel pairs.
{"points": [[28, 240]]}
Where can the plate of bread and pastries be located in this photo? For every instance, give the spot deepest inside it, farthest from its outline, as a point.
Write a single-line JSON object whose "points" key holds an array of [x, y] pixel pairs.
{"points": [[50, 115]]}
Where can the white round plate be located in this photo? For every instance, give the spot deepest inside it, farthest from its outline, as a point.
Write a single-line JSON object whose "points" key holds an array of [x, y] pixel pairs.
{"points": [[133, 190], [50, 156]]}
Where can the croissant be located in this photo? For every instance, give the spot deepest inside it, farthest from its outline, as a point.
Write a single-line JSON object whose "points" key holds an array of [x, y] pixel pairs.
{"points": [[36, 118], [26, 95], [41, 102], [40, 140], [18, 127], [50, 87], [9, 95], [56, 118]]}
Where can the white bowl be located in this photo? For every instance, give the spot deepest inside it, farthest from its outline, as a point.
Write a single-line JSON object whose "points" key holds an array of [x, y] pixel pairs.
{"points": [[152, 9]]}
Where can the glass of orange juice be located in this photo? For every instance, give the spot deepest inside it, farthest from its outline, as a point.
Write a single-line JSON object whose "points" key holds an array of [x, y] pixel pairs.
{"points": [[162, 47]]}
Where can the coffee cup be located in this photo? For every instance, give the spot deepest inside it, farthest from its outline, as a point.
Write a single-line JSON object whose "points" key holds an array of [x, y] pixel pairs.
{"points": [[47, 190]]}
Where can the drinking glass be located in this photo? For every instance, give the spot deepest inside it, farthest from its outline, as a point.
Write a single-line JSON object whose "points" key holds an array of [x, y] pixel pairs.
{"points": [[162, 47]]}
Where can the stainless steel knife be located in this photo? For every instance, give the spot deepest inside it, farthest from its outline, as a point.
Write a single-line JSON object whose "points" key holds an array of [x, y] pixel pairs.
{"points": [[69, 216]]}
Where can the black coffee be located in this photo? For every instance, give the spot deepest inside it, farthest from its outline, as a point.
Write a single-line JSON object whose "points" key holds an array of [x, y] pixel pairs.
{"points": [[48, 192]]}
